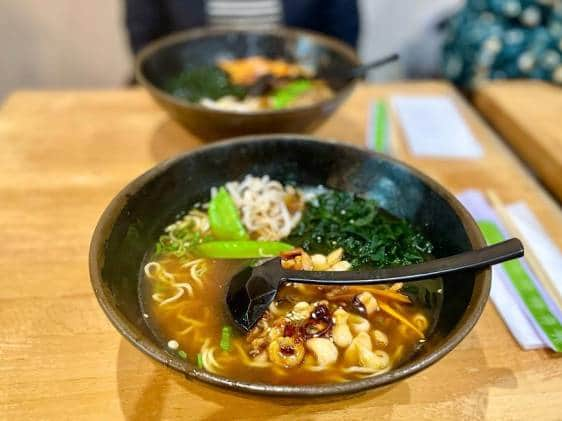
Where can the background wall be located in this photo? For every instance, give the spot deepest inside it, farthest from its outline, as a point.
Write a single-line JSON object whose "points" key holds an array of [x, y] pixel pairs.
{"points": [[81, 44], [405, 26], [61, 44]]}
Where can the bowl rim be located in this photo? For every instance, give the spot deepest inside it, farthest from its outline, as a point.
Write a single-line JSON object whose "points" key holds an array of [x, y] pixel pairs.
{"points": [[473, 311], [178, 37]]}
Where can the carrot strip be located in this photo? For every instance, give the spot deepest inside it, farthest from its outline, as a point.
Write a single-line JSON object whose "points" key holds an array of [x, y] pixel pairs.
{"points": [[390, 311], [389, 294]]}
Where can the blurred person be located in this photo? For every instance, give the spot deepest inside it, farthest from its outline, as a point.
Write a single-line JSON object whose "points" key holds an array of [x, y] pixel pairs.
{"points": [[504, 39], [148, 20]]}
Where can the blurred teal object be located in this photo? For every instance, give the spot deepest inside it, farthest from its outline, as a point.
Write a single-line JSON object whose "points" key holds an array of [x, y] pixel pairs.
{"points": [[504, 39]]}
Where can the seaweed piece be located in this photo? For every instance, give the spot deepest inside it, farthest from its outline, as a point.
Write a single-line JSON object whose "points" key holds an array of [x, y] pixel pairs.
{"points": [[196, 83], [369, 235]]}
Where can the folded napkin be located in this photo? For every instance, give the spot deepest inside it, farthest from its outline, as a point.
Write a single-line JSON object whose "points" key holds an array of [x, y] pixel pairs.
{"points": [[522, 301], [434, 127]]}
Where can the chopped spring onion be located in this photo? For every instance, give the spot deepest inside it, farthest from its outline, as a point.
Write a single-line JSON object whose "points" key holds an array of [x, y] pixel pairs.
{"points": [[200, 360], [182, 354], [225, 338]]}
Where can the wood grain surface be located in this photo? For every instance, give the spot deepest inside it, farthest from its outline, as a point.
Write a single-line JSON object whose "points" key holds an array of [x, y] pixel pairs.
{"points": [[64, 155], [528, 115]]}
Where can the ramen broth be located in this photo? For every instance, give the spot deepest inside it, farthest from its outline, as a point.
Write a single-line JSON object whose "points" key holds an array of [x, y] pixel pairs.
{"points": [[310, 334], [198, 320]]}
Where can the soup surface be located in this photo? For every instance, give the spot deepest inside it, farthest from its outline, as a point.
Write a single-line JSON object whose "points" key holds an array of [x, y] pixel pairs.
{"points": [[310, 334], [250, 84]]}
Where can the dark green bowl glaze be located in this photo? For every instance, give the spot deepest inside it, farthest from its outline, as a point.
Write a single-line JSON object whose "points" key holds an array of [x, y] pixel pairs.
{"points": [[167, 57], [135, 218]]}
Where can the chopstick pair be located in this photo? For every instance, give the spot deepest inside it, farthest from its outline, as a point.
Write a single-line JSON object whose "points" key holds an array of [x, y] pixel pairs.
{"points": [[530, 311], [532, 260], [378, 136]]}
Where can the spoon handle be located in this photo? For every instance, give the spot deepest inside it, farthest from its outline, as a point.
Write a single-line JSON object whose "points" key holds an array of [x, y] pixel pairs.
{"points": [[362, 70], [475, 259]]}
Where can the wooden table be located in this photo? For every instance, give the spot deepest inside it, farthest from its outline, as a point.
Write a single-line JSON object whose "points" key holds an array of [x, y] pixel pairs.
{"points": [[63, 157], [528, 115]]}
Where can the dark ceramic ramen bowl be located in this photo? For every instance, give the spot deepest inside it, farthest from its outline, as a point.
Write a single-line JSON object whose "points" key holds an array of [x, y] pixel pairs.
{"points": [[133, 221], [167, 57]]}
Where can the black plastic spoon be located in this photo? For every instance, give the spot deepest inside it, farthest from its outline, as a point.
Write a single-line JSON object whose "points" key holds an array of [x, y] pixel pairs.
{"points": [[252, 290], [267, 83], [335, 76], [361, 71]]}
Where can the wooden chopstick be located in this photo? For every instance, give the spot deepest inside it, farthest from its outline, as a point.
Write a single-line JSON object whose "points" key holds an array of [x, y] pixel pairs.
{"points": [[530, 256]]}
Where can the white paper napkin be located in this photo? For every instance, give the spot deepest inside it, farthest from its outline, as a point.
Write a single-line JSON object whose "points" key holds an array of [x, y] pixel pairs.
{"points": [[434, 127]]}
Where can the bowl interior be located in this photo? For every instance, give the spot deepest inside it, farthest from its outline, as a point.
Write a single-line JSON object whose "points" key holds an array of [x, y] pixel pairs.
{"points": [[167, 58], [135, 219]]}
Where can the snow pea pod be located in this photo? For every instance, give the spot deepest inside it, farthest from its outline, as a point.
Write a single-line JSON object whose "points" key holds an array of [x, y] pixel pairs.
{"points": [[288, 93], [241, 249], [224, 218]]}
